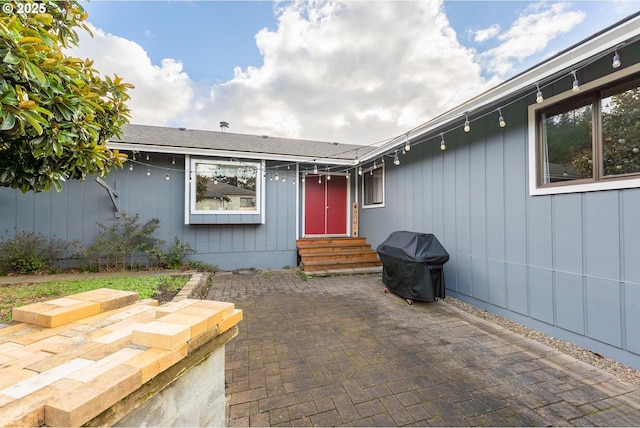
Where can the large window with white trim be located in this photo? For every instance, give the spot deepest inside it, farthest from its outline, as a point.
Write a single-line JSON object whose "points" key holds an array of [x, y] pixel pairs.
{"points": [[591, 140], [373, 187], [225, 187]]}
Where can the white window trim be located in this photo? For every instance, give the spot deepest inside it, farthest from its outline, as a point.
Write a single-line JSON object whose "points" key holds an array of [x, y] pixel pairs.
{"points": [[612, 184], [190, 202], [367, 171]]}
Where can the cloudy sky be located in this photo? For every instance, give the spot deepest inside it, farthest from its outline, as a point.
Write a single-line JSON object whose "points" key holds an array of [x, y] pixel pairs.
{"points": [[350, 71]]}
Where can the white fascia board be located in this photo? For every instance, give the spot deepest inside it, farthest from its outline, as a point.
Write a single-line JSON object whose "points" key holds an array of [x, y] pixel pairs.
{"points": [[225, 153], [626, 32]]}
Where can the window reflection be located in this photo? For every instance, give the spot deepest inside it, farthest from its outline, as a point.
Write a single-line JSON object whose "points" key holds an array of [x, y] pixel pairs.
{"points": [[226, 187]]}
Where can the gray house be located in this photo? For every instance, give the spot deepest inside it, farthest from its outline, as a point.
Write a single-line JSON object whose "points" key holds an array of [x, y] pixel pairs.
{"points": [[533, 187]]}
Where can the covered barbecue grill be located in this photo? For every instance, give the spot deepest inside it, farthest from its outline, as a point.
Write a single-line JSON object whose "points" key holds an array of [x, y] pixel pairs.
{"points": [[412, 266]]}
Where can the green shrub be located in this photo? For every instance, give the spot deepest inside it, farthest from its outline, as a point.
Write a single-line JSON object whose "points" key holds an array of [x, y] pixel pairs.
{"points": [[124, 243], [200, 266], [174, 256], [29, 252]]}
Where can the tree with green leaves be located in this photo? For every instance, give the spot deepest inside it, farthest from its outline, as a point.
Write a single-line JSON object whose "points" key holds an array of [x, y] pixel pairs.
{"points": [[56, 112]]}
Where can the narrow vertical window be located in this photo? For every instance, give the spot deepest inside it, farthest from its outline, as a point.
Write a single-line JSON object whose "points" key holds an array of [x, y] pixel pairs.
{"points": [[567, 144], [373, 187]]}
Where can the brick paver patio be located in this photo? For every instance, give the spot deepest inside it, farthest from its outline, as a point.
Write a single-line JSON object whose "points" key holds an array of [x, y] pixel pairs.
{"points": [[338, 351]]}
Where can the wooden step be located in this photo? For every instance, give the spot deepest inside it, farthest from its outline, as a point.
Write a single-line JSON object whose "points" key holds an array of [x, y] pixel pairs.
{"points": [[331, 249], [342, 255], [336, 254], [340, 264], [329, 241]]}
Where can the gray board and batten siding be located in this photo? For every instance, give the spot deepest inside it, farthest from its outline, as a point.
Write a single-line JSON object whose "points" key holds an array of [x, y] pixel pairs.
{"points": [[565, 264], [73, 214], [267, 240]]}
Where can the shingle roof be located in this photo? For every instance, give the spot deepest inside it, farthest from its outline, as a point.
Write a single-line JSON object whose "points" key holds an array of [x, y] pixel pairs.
{"points": [[186, 139]]}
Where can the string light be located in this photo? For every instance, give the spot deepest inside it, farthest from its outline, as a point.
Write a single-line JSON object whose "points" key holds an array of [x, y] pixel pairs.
{"points": [[501, 121], [173, 161], [319, 179], [576, 85], [277, 177], [407, 143], [406, 146], [168, 177], [303, 178], [616, 60], [539, 97]]}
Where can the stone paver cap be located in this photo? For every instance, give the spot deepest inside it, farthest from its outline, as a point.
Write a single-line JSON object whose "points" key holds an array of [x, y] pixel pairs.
{"points": [[65, 361]]}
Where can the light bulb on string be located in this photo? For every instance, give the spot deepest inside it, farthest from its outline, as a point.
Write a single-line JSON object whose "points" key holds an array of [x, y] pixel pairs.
{"points": [[501, 121], [147, 156], [131, 167], [467, 125], [173, 161], [360, 171], [443, 146], [315, 167], [407, 144], [168, 177], [616, 60], [396, 159], [148, 172], [539, 97], [576, 85], [277, 177], [303, 179], [328, 174], [319, 179]]}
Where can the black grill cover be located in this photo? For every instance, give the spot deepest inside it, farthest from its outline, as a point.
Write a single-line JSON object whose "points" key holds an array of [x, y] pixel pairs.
{"points": [[412, 265]]}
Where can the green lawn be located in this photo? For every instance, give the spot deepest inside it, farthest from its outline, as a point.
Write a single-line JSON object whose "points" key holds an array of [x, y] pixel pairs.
{"points": [[14, 295]]}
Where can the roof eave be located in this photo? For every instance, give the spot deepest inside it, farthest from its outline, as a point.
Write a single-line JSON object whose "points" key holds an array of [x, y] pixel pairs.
{"points": [[226, 153]]}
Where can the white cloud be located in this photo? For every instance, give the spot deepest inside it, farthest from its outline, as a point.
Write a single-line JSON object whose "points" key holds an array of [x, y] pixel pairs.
{"points": [[353, 71], [162, 93], [486, 33], [531, 33], [350, 72]]}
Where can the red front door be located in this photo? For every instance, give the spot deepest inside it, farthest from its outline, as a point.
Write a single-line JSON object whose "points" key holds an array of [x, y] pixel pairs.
{"points": [[325, 206]]}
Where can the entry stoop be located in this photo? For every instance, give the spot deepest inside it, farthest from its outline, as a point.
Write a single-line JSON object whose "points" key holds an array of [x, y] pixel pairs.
{"points": [[325, 256]]}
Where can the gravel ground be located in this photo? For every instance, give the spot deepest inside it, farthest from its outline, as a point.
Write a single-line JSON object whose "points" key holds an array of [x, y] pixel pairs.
{"points": [[619, 370]]}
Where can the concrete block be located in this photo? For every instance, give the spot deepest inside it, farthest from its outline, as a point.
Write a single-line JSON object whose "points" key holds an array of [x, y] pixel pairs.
{"points": [[44, 379], [29, 411], [154, 361], [80, 405], [197, 323], [9, 346], [102, 366], [55, 360], [172, 307], [234, 319], [213, 316], [161, 335], [55, 312], [119, 334], [11, 377], [108, 298]]}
